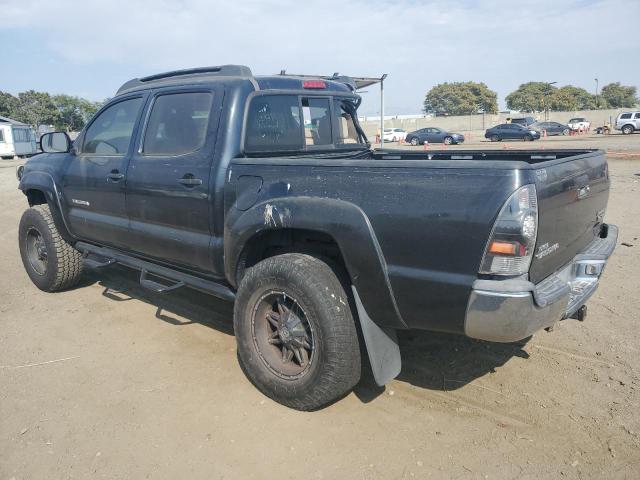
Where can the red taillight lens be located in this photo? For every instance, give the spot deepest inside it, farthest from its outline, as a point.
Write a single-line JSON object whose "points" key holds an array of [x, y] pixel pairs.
{"points": [[513, 237], [313, 84]]}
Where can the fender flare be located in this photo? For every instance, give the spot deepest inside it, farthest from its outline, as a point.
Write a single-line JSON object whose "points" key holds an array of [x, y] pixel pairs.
{"points": [[45, 183], [345, 222]]}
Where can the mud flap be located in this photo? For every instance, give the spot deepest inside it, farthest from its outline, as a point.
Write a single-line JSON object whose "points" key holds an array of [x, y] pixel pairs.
{"points": [[382, 346]]}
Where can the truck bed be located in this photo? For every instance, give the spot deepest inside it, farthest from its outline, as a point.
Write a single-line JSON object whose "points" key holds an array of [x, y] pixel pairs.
{"points": [[432, 213]]}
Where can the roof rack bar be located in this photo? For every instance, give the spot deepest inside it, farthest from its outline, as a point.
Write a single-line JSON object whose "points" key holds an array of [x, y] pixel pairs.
{"points": [[221, 70]]}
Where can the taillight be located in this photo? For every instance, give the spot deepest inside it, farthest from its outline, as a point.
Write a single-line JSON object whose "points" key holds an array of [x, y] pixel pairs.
{"points": [[513, 238]]}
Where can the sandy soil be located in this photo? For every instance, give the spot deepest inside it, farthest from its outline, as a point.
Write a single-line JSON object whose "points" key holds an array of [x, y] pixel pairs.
{"points": [[109, 381]]}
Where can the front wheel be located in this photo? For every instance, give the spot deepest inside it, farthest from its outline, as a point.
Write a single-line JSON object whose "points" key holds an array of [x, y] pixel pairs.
{"points": [[565, 132], [627, 129], [414, 141], [495, 138], [51, 263], [448, 140], [297, 340], [527, 138]]}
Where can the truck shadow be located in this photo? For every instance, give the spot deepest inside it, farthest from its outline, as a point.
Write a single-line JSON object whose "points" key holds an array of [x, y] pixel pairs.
{"points": [[439, 361], [182, 307], [430, 360]]}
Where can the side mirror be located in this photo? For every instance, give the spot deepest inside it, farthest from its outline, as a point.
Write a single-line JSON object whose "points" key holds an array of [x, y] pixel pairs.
{"points": [[55, 142]]}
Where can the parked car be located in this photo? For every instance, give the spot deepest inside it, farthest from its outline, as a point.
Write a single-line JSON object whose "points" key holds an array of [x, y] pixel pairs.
{"points": [[264, 191], [628, 122], [524, 121], [511, 131], [394, 134], [552, 128], [579, 123], [433, 135]]}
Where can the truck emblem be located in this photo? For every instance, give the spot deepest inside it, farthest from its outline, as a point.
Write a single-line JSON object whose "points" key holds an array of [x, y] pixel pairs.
{"points": [[546, 249]]}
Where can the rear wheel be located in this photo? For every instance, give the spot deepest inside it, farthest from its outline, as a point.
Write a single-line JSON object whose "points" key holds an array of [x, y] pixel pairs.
{"points": [[297, 340], [414, 141], [51, 263], [495, 138], [627, 129], [448, 140]]}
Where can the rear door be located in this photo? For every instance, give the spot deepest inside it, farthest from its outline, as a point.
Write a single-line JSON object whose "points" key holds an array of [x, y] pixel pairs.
{"points": [[94, 182], [636, 120], [572, 197], [168, 178]]}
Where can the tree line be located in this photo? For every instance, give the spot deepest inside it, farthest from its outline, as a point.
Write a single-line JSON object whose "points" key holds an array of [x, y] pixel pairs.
{"points": [[65, 112], [465, 98]]}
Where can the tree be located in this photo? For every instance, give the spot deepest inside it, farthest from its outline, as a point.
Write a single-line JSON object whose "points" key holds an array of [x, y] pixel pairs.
{"points": [[572, 98], [8, 105], [461, 98], [530, 97], [73, 112], [36, 108], [619, 96]]}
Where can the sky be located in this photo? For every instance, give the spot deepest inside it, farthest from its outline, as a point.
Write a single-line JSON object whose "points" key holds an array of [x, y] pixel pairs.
{"points": [[89, 48]]}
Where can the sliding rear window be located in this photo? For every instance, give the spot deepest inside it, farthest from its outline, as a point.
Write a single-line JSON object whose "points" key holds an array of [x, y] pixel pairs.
{"points": [[273, 124], [296, 123]]}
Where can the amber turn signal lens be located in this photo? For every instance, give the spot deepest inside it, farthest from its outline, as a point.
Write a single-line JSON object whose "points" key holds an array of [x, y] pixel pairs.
{"points": [[503, 248]]}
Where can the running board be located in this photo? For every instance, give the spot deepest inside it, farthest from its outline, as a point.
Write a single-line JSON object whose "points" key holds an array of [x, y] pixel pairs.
{"points": [[147, 268]]}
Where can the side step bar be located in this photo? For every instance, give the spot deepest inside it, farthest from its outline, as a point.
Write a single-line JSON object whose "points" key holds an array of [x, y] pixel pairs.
{"points": [[181, 279]]}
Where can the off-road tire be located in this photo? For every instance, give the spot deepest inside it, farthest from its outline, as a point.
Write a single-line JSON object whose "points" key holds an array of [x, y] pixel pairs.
{"points": [[64, 263], [335, 366]]}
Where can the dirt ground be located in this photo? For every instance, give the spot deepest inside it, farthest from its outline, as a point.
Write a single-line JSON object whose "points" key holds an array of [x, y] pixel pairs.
{"points": [[109, 381]]}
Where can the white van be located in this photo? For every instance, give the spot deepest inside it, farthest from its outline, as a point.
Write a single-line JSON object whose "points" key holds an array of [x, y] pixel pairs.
{"points": [[16, 139]]}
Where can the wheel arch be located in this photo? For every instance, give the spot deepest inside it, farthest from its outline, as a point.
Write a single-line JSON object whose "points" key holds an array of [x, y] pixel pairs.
{"points": [[40, 188], [329, 228]]}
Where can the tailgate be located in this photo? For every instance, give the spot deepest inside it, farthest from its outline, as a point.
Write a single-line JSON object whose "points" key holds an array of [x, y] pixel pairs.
{"points": [[572, 197]]}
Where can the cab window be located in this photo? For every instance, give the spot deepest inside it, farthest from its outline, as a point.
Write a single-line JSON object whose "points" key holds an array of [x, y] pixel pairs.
{"points": [[296, 123], [347, 132], [178, 123], [316, 113], [110, 133]]}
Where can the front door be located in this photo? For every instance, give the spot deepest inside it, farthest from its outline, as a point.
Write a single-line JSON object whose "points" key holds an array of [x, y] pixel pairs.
{"points": [[168, 178], [94, 182]]}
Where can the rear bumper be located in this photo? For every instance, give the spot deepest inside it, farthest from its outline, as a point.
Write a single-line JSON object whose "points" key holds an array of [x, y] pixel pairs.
{"points": [[510, 310]]}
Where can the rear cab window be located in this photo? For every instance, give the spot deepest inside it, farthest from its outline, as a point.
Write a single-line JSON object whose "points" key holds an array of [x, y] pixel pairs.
{"points": [[298, 123]]}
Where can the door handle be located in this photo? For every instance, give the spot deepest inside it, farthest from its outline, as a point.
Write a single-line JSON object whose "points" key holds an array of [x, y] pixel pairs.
{"points": [[190, 181], [115, 176]]}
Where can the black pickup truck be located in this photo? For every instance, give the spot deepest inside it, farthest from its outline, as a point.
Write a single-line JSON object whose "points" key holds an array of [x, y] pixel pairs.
{"points": [[265, 191]]}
